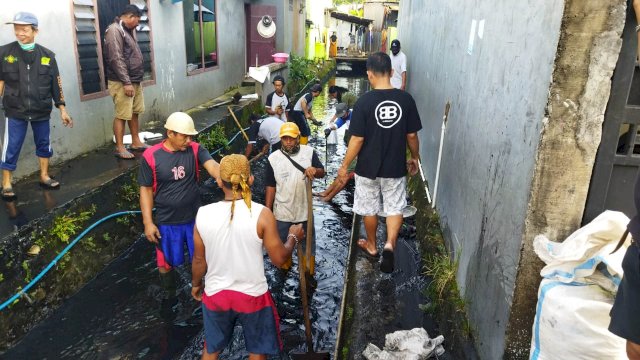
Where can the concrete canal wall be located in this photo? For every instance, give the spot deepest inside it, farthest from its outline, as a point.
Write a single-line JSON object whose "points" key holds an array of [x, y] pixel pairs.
{"points": [[511, 163], [171, 91]]}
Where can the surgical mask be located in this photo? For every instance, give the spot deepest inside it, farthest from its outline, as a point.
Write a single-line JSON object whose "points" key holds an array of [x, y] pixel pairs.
{"points": [[28, 47]]}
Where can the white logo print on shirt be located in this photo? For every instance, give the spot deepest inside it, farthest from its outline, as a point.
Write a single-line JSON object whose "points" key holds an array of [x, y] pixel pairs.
{"points": [[388, 113]]}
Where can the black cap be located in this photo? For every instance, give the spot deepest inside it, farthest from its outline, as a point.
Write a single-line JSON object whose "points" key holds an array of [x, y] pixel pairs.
{"points": [[316, 88], [133, 10], [395, 44], [278, 78]]}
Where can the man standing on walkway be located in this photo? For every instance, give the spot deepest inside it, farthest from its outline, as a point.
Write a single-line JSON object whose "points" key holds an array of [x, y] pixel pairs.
{"points": [[399, 66], [302, 112], [286, 193], [385, 120], [29, 80], [277, 103], [229, 236], [168, 178], [125, 72]]}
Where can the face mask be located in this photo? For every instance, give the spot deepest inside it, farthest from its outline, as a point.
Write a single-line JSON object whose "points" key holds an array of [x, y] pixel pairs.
{"points": [[28, 47]]}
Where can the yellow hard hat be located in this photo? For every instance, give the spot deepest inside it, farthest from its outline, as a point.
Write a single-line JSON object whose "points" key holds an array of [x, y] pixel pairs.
{"points": [[289, 129], [181, 123]]}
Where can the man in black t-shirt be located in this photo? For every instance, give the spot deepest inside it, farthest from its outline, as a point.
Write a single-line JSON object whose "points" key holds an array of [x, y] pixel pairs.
{"points": [[168, 178], [384, 121]]}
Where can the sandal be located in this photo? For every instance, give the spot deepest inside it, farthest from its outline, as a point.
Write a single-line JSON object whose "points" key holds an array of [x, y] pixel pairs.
{"points": [[387, 261], [124, 155], [139, 148], [50, 184], [8, 194]]}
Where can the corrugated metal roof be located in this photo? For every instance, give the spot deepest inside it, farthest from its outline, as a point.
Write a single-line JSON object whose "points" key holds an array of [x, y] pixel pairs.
{"points": [[350, 18]]}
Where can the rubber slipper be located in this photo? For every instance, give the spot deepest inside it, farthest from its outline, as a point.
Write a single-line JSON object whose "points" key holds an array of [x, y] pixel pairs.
{"points": [[8, 194], [366, 252], [386, 266], [50, 184], [124, 155], [139, 148]]}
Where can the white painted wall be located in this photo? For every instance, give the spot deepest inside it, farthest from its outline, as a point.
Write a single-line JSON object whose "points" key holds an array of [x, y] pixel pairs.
{"points": [[498, 86]]}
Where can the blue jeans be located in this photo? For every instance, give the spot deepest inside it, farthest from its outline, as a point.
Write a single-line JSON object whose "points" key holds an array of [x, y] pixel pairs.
{"points": [[14, 133]]}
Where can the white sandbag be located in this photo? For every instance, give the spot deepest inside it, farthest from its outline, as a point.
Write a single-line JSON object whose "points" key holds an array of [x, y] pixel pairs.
{"points": [[576, 258], [571, 323], [576, 295]]}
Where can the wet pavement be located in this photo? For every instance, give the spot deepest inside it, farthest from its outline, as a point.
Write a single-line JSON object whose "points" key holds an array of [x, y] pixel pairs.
{"points": [[120, 314]]}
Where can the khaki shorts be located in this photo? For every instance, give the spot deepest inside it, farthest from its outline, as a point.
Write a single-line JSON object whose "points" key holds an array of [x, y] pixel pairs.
{"points": [[386, 195], [126, 106]]}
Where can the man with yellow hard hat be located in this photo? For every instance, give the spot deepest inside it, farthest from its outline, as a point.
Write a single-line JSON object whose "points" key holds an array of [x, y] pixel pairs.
{"points": [[287, 171], [168, 178]]}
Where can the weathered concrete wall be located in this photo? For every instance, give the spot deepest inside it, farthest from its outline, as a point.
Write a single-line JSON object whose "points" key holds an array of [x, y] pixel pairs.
{"points": [[498, 88], [587, 54], [173, 90]]}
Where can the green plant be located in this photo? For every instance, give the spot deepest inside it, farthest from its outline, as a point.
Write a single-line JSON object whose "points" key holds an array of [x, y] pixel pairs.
{"points": [[70, 223], [442, 270], [1, 277], [27, 270], [300, 69], [214, 139]]}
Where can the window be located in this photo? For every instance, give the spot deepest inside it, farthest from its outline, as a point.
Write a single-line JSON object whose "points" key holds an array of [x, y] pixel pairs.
{"points": [[92, 17], [200, 34]]}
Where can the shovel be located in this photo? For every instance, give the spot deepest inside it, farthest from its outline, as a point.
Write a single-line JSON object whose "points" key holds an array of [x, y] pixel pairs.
{"points": [[310, 354]]}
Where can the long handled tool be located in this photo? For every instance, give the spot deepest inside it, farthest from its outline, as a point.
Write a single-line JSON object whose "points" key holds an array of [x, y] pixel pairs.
{"points": [[238, 123], [424, 181], [310, 354], [442, 132]]}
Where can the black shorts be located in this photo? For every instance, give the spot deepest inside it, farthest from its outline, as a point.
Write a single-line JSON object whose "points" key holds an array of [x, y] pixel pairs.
{"points": [[625, 314]]}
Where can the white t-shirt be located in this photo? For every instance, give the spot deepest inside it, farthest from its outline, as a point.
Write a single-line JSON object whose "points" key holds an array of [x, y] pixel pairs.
{"points": [[399, 65], [273, 100], [270, 129]]}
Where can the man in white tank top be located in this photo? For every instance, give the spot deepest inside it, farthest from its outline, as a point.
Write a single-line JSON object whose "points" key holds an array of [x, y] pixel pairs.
{"points": [[228, 239]]}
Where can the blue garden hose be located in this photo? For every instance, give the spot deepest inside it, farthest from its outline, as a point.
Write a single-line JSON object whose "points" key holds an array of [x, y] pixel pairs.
{"points": [[82, 234], [61, 254]]}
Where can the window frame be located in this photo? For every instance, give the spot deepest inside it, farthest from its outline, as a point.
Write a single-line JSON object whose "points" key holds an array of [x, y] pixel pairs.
{"points": [[104, 90], [200, 22]]}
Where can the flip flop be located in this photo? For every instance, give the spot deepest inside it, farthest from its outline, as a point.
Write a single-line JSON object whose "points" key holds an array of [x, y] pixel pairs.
{"points": [[8, 194], [366, 252], [386, 266], [124, 155], [139, 148], [50, 184]]}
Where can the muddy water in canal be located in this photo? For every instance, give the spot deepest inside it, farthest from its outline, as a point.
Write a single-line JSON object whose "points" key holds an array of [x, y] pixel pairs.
{"points": [[120, 314]]}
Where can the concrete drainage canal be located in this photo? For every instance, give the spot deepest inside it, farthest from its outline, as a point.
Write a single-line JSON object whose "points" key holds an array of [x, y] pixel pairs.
{"points": [[124, 312]]}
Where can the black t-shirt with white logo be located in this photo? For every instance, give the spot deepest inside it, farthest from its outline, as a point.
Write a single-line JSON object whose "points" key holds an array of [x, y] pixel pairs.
{"points": [[384, 118], [174, 178]]}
